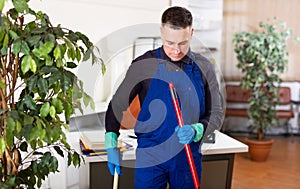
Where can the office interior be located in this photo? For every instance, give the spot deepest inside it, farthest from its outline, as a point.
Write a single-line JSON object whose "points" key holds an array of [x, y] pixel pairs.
{"points": [[125, 29]]}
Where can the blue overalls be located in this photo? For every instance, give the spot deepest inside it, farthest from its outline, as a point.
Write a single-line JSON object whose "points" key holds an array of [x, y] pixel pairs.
{"points": [[160, 158]]}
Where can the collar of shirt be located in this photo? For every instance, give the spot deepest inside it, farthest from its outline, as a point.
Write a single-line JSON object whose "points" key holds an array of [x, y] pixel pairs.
{"points": [[186, 59]]}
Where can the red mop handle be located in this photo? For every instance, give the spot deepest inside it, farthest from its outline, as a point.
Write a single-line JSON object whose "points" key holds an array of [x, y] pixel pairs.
{"points": [[186, 146]]}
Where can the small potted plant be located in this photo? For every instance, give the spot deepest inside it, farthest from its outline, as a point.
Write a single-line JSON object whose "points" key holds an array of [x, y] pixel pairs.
{"points": [[262, 56], [38, 94]]}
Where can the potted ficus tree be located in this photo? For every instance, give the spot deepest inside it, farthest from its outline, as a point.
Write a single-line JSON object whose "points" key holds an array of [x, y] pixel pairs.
{"points": [[262, 56], [38, 93]]}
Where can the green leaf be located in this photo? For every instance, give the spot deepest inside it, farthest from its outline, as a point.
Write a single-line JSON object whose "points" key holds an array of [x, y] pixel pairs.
{"points": [[24, 47], [5, 41], [59, 151], [84, 38], [2, 145], [55, 78], [2, 85], [71, 53], [2, 33], [20, 5], [87, 55], [10, 127], [42, 134], [68, 110], [56, 132], [2, 111], [40, 123], [39, 182], [42, 87], [78, 105], [78, 54], [25, 64], [33, 40], [63, 49], [4, 50], [50, 38], [57, 52], [34, 134], [77, 92], [28, 100], [53, 164], [16, 48], [92, 104], [38, 53], [34, 167], [76, 160], [58, 105], [40, 143], [86, 99], [71, 65], [65, 83], [2, 2], [32, 83], [59, 63], [28, 120], [45, 109], [52, 112], [46, 48], [56, 88], [18, 126], [49, 61], [49, 69], [13, 34], [69, 158], [11, 181], [24, 146], [32, 65], [103, 68], [72, 36]]}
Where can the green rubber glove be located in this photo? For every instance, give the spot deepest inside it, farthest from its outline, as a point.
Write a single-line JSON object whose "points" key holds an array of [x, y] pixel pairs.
{"points": [[199, 128]]}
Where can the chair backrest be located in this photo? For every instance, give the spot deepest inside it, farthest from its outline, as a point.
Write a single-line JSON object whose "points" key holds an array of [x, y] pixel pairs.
{"points": [[235, 93], [284, 95]]}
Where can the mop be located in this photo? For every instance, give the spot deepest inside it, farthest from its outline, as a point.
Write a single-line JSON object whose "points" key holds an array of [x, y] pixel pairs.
{"points": [[186, 146], [116, 180]]}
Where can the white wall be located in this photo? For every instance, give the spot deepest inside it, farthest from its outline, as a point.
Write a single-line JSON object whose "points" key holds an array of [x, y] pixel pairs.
{"points": [[98, 18]]}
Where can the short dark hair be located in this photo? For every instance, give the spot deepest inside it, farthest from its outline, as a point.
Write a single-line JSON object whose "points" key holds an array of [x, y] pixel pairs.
{"points": [[177, 17]]}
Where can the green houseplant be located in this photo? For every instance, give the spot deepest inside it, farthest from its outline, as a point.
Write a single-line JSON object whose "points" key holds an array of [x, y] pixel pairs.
{"points": [[38, 94], [262, 56]]}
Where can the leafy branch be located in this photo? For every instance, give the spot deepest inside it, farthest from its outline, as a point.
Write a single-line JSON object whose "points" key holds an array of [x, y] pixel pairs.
{"points": [[38, 93]]}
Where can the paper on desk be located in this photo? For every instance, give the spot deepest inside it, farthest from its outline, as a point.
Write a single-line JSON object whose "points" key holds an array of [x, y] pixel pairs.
{"points": [[125, 138]]}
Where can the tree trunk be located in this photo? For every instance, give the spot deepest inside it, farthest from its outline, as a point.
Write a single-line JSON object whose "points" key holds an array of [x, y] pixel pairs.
{"points": [[260, 134]]}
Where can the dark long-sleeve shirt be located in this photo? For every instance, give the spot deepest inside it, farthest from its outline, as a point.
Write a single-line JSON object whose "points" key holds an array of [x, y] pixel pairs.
{"points": [[137, 82]]}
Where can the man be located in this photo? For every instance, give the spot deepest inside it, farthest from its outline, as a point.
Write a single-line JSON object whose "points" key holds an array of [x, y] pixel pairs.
{"points": [[160, 156]]}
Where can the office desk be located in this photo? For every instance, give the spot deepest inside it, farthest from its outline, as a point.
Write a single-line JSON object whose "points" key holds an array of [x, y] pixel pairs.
{"points": [[218, 160]]}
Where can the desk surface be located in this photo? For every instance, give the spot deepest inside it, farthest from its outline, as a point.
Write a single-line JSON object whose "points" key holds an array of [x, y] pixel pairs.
{"points": [[223, 145]]}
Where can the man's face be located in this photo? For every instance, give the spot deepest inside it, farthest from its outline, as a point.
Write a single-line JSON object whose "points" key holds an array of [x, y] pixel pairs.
{"points": [[176, 42]]}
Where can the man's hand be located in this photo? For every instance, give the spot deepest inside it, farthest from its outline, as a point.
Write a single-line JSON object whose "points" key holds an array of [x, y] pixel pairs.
{"points": [[185, 134], [114, 160], [114, 156], [189, 133]]}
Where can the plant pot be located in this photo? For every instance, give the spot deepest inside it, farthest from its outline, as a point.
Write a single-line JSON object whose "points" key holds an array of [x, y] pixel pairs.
{"points": [[259, 149]]}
